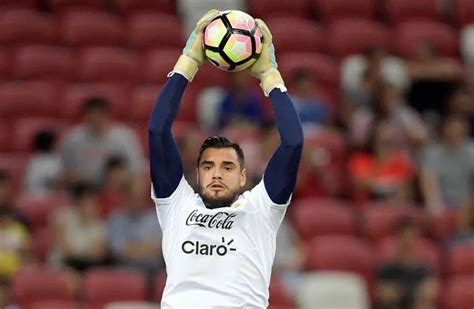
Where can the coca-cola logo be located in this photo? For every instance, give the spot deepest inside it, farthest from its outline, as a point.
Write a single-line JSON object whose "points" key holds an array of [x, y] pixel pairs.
{"points": [[219, 220]]}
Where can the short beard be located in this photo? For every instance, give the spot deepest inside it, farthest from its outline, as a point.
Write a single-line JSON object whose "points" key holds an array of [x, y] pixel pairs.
{"points": [[212, 202]]}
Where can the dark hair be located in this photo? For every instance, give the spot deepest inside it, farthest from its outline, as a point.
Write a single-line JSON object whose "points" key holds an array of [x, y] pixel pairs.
{"points": [[221, 142], [114, 162], [95, 104], [4, 175], [82, 189], [6, 210], [44, 141]]}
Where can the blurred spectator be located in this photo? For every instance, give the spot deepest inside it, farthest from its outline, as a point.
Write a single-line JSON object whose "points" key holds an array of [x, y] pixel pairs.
{"points": [[289, 256], [465, 224], [5, 187], [448, 167], [14, 243], [462, 102], [405, 283], [80, 233], [311, 108], [44, 168], [241, 104], [389, 106], [381, 170], [115, 180], [433, 78], [86, 148], [133, 233]]}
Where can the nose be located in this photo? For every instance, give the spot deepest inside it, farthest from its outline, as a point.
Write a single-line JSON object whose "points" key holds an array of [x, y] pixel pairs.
{"points": [[217, 174]]}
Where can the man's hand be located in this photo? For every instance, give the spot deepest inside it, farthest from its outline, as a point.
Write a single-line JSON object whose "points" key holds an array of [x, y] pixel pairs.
{"points": [[193, 53], [265, 68]]}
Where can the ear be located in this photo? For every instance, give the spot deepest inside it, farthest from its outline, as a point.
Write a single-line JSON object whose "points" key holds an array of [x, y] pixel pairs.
{"points": [[243, 177]]}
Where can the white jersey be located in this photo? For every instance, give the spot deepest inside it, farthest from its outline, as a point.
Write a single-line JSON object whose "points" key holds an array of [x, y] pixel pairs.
{"points": [[218, 257]]}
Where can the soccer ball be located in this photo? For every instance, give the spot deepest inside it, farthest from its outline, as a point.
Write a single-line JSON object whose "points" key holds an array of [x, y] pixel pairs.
{"points": [[232, 41]]}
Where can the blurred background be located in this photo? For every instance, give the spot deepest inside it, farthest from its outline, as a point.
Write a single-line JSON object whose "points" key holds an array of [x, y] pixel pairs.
{"points": [[383, 212]]}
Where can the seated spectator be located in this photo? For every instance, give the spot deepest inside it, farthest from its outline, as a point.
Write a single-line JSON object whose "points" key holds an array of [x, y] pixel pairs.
{"points": [[115, 180], [87, 147], [44, 168], [311, 108], [465, 224], [462, 102], [133, 233], [405, 282], [381, 170], [448, 167], [240, 104], [80, 233]]}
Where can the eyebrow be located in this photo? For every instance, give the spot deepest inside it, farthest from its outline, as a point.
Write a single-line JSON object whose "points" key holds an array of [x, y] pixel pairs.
{"points": [[212, 163]]}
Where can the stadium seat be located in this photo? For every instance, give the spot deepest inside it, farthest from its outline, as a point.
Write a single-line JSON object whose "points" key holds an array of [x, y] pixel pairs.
{"points": [[19, 27], [279, 296], [322, 67], [461, 259], [332, 10], [18, 4], [34, 283], [37, 210], [137, 6], [28, 98], [265, 9], [63, 6], [188, 107], [464, 12], [426, 251], [210, 76], [5, 63], [323, 290], [341, 253], [318, 219], [354, 36], [5, 143], [142, 99], [156, 64], [158, 286], [25, 129], [408, 34], [155, 30], [75, 95], [42, 244], [102, 286], [407, 10], [459, 293], [444, 224], [44, 62], [291, 34], [55, 304], [107, 64], [80, 29]]}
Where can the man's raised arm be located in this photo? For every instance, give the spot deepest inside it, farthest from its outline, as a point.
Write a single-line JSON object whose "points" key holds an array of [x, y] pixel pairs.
{"points": [[165, 163], [281, 172]]}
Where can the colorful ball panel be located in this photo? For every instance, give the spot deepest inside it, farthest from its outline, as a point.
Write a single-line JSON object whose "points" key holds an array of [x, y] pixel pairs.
{"points": [[214, 33], [240, 20]]}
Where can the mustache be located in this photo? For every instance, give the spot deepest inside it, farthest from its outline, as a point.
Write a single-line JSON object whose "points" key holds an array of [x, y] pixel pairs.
{"points": [[216, 183]]}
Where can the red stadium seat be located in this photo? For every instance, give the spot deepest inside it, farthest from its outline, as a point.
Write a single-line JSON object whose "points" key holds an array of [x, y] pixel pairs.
{"points": [[18, 4], [43, 61], [265, 9], [291, 34], [42, 244], [26, 27], [5, 144], [408, 34], [134, 6], [459, 292], [63, 6], [316, 219], [444, 225], [155, 30], [37, 210], [102, 286], [32, 284], [142, 101], [461, 259], [406, 10], [107, 64], [35, 98], [426, 251], [354, 36], [156, 65], [75, 96], [82, 29], [159, 286], [464, 12], [341, 253], [25, 129], [332, 10], [5, 63], [188, 107], [210, 76], [55, 304], [279, 295]]}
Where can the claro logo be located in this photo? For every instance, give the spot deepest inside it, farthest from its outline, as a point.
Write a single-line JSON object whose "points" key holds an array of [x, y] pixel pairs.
{"points": [[198, 248]]}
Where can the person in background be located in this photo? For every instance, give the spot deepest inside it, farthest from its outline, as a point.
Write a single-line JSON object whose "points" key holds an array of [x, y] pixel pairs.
{"points": [[44, 169], [462, 102], [404, 282], [447, 167], [80, 233], [115, 180], [465, 223], [86, 148]]}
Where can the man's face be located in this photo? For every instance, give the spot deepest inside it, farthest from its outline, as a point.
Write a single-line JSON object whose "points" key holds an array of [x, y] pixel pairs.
{"points": [[220, 177]]}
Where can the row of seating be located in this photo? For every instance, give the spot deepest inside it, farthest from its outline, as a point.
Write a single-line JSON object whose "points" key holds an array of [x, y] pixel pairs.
{"points": [[327, 10]]}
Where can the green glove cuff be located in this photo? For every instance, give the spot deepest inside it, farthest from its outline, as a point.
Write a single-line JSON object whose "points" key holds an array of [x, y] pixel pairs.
{"points": [[186, 66], [271, 79]]}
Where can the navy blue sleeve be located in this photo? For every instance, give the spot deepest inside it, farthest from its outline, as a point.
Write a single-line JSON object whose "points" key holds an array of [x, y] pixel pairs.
{"points": [[282, 170], [165, 162]]}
